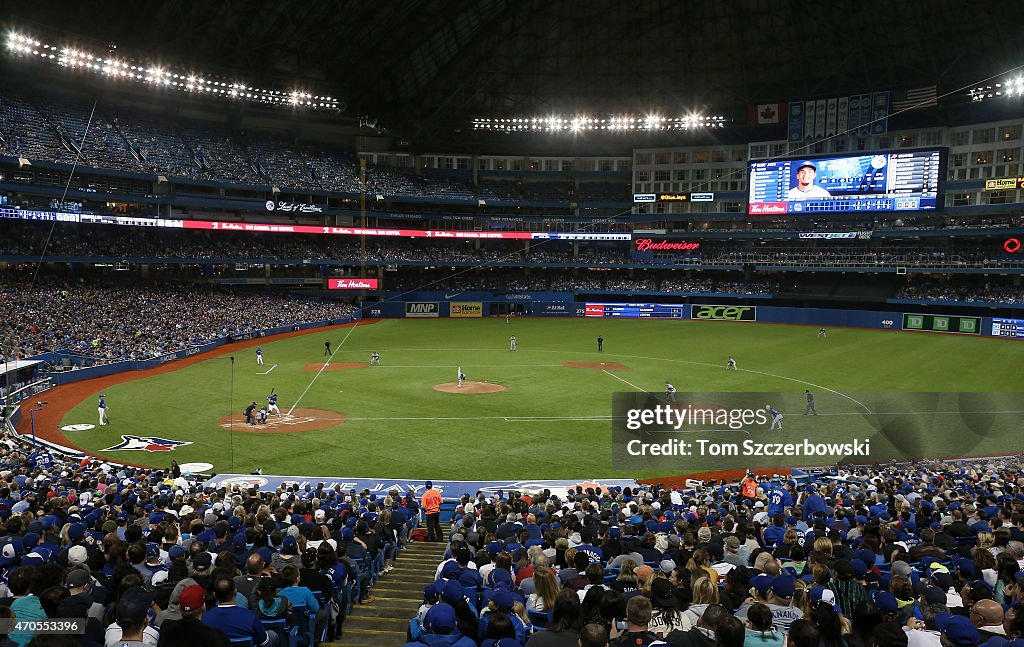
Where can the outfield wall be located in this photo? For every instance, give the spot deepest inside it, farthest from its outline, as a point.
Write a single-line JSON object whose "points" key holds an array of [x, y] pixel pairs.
{"points": [[66, 377], [719, 308]]}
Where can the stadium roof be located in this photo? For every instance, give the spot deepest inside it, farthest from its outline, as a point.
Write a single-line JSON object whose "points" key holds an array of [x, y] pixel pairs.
{"points": [[423, 66]]}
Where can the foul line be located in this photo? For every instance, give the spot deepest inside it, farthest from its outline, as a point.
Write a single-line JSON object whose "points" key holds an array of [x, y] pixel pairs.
{"points": [[622, 380], [326, 364], [267, 372]]}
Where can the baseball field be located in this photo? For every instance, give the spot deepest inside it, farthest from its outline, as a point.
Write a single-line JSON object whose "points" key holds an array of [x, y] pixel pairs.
{"points": [[542, 411]]}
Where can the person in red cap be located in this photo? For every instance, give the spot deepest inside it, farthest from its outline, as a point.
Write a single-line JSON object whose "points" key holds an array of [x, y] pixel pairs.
{"points": [[190, 630]]}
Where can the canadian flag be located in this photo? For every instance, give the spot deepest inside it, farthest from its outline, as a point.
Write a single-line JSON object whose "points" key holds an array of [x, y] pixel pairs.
{"points": [[766, 113]]}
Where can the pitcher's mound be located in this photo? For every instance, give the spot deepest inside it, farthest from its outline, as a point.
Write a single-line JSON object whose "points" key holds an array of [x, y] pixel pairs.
{"points": [[334, 366], [298, 420], [469, 388], [598, 366]]}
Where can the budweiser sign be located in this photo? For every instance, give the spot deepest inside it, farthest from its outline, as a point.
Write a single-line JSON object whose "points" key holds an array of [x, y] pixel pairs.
{"points": [[352, 284], [650, 245]]}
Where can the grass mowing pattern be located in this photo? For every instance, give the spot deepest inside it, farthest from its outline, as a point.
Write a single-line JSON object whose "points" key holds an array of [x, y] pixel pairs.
{"points": [[399, 427]]}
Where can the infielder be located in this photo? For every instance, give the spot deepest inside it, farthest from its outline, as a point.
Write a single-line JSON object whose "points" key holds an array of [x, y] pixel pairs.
{"points": [[102, 409], [272, 404], [259, 357], [462, 377], [374, 358], [731, 364], [670, 392], [810, 404], [776, 418], [512, 343]]}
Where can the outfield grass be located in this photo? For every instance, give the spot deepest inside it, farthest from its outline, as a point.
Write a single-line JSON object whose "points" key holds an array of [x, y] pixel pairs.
{"points": [[399, 427]]}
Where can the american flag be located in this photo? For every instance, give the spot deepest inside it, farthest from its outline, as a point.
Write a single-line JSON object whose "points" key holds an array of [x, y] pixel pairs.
{"points": [[926, 97]]}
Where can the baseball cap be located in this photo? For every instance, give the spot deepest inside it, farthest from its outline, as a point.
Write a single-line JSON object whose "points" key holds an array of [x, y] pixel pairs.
{"points": [[887, 602], [133, 606], [958, 629], [732, 543], [77, 577], [192, 598], [440, 619], [807, 163], [78, 555], [503, 600], [202, 561], [783, 586]]}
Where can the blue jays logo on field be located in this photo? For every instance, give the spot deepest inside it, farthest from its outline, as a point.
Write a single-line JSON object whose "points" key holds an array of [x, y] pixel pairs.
{"points": [[145, 443]]}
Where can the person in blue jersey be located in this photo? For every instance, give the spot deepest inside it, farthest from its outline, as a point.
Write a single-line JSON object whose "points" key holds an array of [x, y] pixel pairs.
{"points": [[272, 404], [259, 357], [779, 499], [102, 409], [776, 416]]}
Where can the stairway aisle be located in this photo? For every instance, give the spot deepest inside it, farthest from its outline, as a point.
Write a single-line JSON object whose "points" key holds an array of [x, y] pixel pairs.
{"points": [[396, 598]]}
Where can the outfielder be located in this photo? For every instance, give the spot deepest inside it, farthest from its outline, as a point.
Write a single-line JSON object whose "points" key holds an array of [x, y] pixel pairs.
{"points": [[374, 358], [776, 418], [670, 392], [272, 403], [731, 364], [822, 333], [462, 377], [102, 409], [512, 343], [259, 357]]}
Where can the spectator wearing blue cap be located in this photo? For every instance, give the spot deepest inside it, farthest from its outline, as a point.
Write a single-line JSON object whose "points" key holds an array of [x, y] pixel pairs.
{"points": [[781, 590], [441, 630]]}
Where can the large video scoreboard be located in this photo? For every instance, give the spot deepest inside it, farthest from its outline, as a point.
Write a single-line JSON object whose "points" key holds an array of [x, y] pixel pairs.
{"points": [[902, 181], [636, 310]]}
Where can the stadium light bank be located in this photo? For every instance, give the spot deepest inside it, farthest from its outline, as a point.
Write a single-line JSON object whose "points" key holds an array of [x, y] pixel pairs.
{"points": [[607, 123], [112, 66]]}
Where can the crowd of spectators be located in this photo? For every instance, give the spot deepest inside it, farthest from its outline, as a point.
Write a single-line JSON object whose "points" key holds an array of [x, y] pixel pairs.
{"points": [[127, 139], [986, 293], [501, 279], [151, 558], [922, 555], [135, 322], [27, 238]]}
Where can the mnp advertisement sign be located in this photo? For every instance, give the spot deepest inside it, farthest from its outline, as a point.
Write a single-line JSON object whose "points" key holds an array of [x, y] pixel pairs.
{"points": [[466, 309], [724, 313], [422, 309]]}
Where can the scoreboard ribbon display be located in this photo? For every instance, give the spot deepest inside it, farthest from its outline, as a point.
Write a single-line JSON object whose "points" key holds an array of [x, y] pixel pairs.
{"points": [[637, 310], [1008, 328], [942, 323]]}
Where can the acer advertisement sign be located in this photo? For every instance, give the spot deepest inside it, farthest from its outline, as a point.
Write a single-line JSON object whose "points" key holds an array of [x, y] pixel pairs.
{"points": [[353, 284], [663, 245], [723, 313]]}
